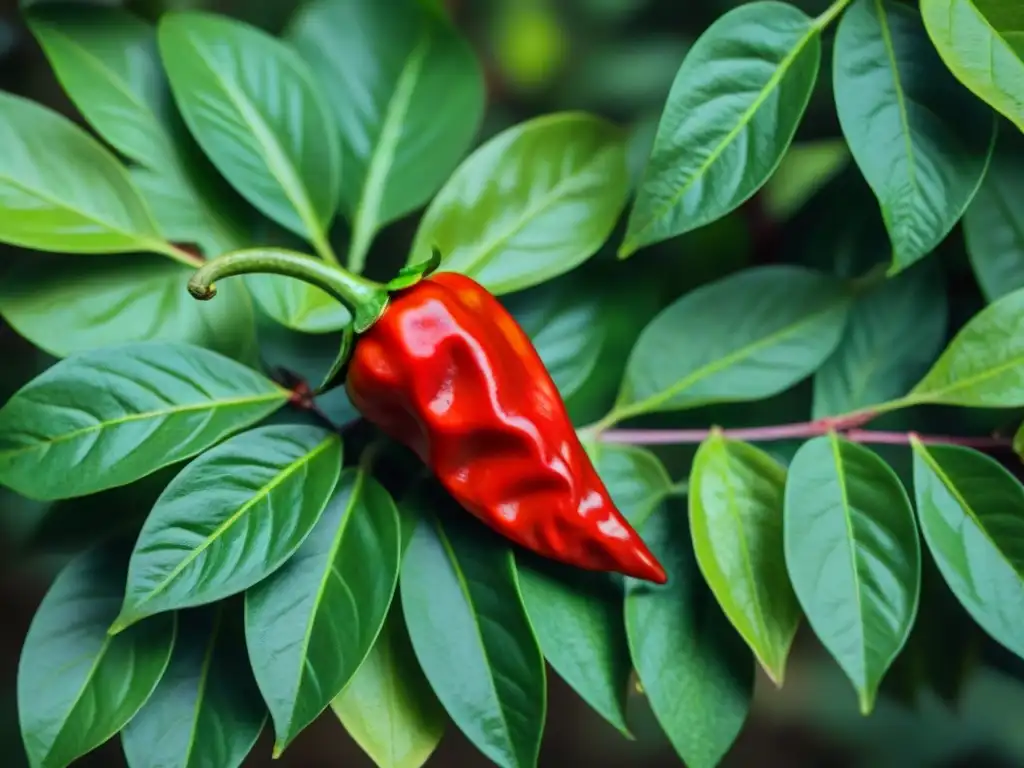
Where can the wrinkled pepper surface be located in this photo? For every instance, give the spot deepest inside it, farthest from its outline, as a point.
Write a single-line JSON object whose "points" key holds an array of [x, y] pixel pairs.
{"points": [[448, 372]]}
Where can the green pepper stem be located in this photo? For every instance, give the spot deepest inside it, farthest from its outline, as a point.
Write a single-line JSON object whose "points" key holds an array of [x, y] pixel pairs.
{"points": [[365, 298]]}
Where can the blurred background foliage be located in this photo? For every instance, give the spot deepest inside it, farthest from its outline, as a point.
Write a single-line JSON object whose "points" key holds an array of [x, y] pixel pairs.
{"points": [[951, 700]]}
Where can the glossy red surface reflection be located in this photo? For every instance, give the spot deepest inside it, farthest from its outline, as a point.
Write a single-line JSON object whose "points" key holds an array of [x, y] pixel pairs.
{"points": [[448, 372]]}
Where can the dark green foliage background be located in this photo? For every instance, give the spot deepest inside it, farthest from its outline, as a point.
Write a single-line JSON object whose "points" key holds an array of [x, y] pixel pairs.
{"points": [[771, 253]]}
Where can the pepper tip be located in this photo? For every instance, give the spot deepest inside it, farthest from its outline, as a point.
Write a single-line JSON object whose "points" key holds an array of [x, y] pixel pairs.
{"points": [[645, 567]]}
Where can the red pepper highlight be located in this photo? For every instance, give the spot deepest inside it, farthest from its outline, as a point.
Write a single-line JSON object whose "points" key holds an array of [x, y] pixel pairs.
{"points": [[448, 372]]}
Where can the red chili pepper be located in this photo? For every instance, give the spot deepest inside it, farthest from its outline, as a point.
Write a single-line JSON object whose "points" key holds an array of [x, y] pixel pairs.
{"points": [[448, 372]]}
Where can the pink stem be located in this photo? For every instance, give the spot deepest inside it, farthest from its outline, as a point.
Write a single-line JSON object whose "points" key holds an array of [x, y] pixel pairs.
{"points": [[845, 425]]}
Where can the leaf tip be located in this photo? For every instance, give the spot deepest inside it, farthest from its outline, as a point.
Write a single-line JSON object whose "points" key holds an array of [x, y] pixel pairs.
{"points": [[626, 250], [866, 701]]}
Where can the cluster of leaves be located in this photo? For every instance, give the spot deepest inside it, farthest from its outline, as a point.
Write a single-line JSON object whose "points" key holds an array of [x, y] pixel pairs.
{"points": [[351, 590]]}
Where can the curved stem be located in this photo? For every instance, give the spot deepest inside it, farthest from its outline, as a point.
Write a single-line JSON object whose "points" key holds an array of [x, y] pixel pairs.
{"points": [[365, 298]]}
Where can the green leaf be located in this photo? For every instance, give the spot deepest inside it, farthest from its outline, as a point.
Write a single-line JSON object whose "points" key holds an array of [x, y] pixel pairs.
{"points": [[736, 497], [893, 335], [743, 85], [194, 204], [695, 670], [472, 637], [251, 103], [994, 222], [106, 61], [60, 190], [530, 204], [578, 620], [207, 709], [388, 706], [111, 416], [972, 516], [231, 518], [747, 336], [77, 686], [983, 366], [310, 624], [921, 140], [397, 61], [853, 556], [297, 305], [982, 43], [65, 305]]}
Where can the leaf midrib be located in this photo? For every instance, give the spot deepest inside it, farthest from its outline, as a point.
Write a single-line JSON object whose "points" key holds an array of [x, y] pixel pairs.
{"points": [[547, 199], [467, 595], [382, 156], [204, 679], [935, 394], [104, 647], [277, 160], [262, 493], [741, 533], [282, 394], [901, 99], [773, 82], [922, 450], [339, 534], [112, 77], [145, 241], [722, 363], [837, 458]]}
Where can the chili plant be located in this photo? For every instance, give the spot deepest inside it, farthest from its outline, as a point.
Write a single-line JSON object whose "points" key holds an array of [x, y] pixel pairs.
{"points": [[296, 562]]}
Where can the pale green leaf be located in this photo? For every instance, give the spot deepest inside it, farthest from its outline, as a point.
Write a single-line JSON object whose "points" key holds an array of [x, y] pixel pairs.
{"points": [[61, 190], [983, 366], [982, 43], [530, 204], [736, 498], [636, 480], [388, 706], [297, 305]]}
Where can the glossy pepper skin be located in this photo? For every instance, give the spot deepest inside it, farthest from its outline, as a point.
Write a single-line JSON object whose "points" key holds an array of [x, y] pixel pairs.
{"points": [[448, 372]]}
